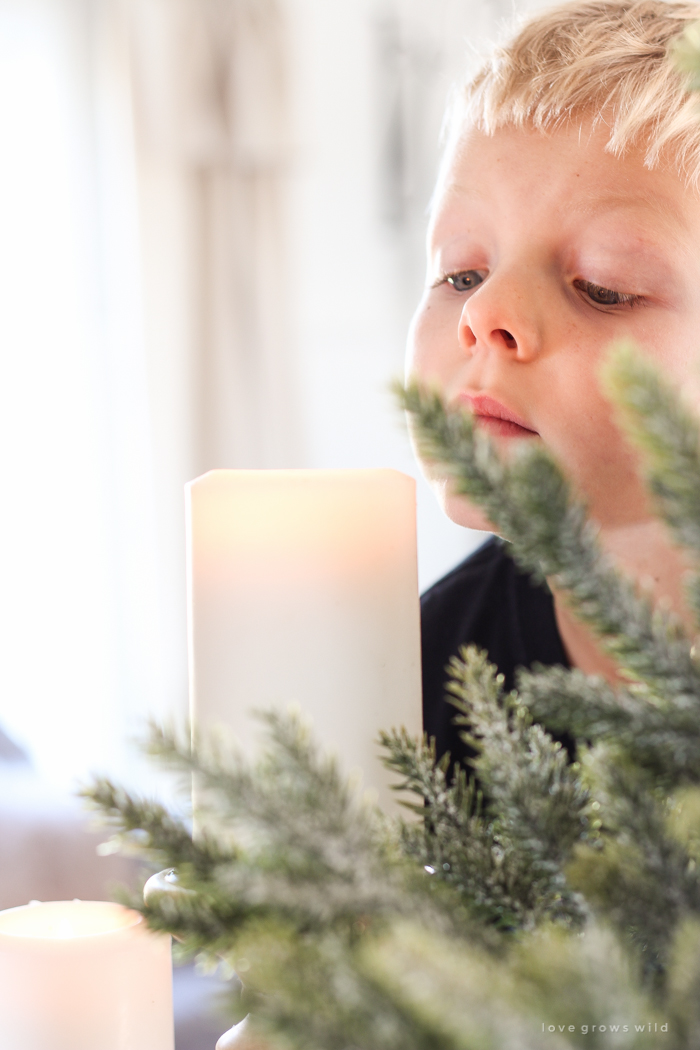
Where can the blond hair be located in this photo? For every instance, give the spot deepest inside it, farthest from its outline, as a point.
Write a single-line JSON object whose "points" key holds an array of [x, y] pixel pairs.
{"points": [[609, 59]]}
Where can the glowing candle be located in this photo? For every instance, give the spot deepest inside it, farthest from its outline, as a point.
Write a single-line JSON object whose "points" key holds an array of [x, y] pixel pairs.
{"points": [[78, 975], [303, 590]]}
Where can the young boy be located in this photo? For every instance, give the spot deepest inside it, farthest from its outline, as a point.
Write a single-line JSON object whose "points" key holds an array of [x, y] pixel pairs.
{"points": [[566, 217]]}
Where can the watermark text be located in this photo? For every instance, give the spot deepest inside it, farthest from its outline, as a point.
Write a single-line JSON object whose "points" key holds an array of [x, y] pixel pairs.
{"points": [[645, 1026]]}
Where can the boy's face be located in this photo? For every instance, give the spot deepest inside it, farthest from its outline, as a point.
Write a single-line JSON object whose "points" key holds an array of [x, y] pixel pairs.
{"points": [[543, 250]]}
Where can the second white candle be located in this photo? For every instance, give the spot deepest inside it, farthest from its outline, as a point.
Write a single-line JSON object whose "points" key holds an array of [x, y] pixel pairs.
{"points": [[83, 975]]}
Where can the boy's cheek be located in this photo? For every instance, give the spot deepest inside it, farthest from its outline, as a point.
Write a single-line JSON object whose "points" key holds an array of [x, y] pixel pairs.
{"points": [[602, 466], [433, 351]]}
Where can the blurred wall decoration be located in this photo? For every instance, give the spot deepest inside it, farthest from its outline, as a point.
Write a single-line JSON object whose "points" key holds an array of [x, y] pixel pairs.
{"points": [[212, 216]]}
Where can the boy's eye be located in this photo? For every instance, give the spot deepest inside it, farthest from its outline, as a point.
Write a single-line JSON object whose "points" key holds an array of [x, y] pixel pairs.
{"points": [[465, 280], [606, 296]]}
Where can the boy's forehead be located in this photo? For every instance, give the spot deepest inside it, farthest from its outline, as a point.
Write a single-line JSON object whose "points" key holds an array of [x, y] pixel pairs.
{"points": [[567, 169]]}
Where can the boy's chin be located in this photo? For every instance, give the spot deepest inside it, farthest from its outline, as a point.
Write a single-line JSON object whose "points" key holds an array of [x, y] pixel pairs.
{"points": [[460, 510]]}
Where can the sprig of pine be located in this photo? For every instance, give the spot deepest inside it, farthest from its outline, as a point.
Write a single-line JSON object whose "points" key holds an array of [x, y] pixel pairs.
{"points": [[565, 891], [505, 858], [530, 502]]}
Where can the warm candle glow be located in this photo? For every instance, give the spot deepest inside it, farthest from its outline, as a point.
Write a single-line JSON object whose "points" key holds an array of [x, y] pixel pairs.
{"points": [[62, 919], [77, 975], [329, 523]]}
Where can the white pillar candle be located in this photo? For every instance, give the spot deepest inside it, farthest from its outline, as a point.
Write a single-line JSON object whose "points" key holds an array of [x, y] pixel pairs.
{"points": [[303, 590], [83, 975]]}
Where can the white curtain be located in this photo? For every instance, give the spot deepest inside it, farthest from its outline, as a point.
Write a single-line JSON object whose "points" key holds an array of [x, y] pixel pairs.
{"points": [[211, 95], [144, 337], [83, 654]]}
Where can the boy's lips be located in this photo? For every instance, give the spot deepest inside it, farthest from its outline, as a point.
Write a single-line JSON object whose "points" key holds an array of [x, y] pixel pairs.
{"points": [[495, 417]]}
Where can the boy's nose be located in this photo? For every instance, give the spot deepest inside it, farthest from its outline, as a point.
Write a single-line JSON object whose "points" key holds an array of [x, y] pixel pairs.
{"points": [[508, 339], [481, 325]]}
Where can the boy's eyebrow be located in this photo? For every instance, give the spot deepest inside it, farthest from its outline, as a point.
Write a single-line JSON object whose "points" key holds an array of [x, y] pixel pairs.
{"points": [[674, 223], [658, 208], [476, 194]]}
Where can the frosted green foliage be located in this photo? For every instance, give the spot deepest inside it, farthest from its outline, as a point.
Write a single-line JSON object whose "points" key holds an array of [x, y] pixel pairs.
{"points": [[555, 891], [644, 879], [662, 736], [167, 834], [327, 995], [506, 858], [410, 987], [669, 435], [535, 795], [502, 1001], [530, 502], [287, 838], [299, 887]]}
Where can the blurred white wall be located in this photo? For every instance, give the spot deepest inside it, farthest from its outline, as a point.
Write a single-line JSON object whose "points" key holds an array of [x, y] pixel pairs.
{"points": [[102, 416]]}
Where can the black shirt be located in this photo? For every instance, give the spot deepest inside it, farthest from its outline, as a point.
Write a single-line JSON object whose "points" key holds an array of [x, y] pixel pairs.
{"points": [[489, 601]]}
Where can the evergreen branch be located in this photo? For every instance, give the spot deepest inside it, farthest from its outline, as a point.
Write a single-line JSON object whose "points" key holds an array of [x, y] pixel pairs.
{"points": [[537, 800], [643, 879], [301, 847], [326, 997], [291, 774], [661, 736], [318, 847], [666, 432], [457, 843], [500, 1001], [345, 941], [147, 828], [314, 972], [683, 984], [669, 435], [464, 454], [529, 501], [207, 919]]}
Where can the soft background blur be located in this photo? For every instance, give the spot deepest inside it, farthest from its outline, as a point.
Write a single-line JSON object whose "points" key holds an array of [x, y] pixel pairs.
{"points": [[211, 241], [212, 217]]}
